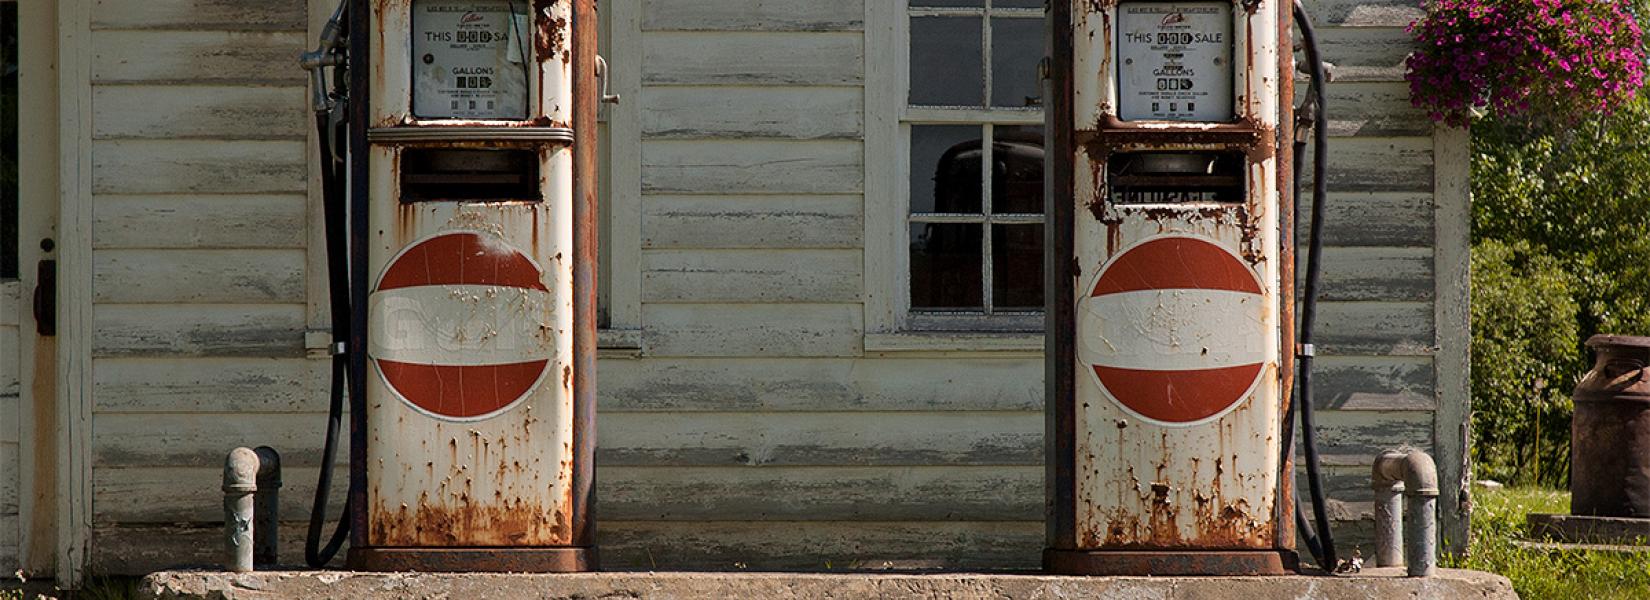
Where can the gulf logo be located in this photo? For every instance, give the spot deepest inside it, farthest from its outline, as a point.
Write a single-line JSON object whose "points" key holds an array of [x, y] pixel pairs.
{"points": [[460, 326], [1172, 329]]}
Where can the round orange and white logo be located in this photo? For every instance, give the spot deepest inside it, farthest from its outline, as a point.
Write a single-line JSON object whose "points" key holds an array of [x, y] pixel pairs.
{"points": [[461, 326], [1171, 329]]}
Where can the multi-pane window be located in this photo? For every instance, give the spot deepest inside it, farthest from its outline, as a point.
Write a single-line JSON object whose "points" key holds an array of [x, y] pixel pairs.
{"points": [[974, 119], [8, 139]]}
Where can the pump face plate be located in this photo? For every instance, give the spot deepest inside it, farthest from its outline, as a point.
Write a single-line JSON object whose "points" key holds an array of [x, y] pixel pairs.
{"points": [[1170, 328]]}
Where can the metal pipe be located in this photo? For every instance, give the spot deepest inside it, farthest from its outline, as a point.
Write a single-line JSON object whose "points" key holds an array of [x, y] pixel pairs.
{"points": [[1417, 476], [586, 103], [1389, 514], [266, 509], [240, 481]]}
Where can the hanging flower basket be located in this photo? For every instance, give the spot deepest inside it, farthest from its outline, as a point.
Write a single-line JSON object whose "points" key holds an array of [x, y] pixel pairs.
{"points": [[1557, 60]]}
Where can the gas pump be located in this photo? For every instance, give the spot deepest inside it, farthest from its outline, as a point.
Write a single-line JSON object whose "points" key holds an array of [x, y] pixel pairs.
{"points": [[463, 276], [1171, 278]]}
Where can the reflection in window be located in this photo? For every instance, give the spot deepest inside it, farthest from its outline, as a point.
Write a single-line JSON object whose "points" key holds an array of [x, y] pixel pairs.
{"points": [[964, 219]]}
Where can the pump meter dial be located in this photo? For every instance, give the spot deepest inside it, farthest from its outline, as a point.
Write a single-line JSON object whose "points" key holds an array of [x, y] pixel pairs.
{"points": [[473, 59], [1175, 61]]}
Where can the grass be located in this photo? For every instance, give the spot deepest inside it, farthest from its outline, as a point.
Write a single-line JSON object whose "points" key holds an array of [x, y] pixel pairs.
{"points": [[1498, 521]]}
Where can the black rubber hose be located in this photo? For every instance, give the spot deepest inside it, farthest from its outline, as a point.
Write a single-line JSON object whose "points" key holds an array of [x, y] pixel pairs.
{"points": [[1308, 532], [1314, 256], [332, 193]]}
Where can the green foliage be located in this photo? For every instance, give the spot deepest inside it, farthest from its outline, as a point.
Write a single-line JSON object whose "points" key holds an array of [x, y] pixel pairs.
{"points": [[1560, 253], [1498, 522]]}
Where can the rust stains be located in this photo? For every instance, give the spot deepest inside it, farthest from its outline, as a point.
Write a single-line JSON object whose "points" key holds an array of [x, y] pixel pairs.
{"points": [[551, 41], [501, 522]]}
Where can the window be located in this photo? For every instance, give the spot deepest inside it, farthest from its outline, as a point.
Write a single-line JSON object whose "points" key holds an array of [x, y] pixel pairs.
{"points": [[8, 140], [971, 120]]}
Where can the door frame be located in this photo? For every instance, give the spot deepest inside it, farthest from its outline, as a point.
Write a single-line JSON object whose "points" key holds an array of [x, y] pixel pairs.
{"points": [[54, 202]]}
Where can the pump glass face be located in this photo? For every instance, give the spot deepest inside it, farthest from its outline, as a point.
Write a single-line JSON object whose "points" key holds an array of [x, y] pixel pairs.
{"points": [[1174, 61], [471, 59]]}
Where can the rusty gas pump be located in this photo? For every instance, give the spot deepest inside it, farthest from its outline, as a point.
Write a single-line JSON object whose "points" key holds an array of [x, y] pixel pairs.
{"points": [[1171, 278], [463, 270]]}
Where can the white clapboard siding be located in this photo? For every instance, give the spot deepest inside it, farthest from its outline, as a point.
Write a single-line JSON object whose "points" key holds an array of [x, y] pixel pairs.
{"points": [[197, 167], [245, 330], [1373, 383], [867, 386], [747, 276], [197, 57], [10, 354], [10, 292], [745, 15], [211, 385], [199, 111], [238, 276], [1365, 53], [646, 545], [1361, 219], [224, 15], [1375, 328], [628, 439], [752, 58], [817, 330], [9, 540], [927, 493], [1377, 164], [199, 221], [1365, 13], [1372, 109], [821, 221], [1373, 274], [752, 167], [699, 112]]}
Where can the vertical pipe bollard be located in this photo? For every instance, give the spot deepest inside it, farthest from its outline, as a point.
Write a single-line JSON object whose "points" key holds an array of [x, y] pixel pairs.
{"points": [[267, 508], [1416, 476], [1389, 514], [240, 472], [251, 512]]}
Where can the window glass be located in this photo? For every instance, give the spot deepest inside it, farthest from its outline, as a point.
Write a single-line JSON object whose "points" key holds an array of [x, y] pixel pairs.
{"points": [[946, 62], [945, 169], [945, 266], [1016, 48]]}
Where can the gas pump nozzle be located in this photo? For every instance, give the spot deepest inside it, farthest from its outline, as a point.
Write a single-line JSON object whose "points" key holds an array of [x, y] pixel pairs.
{"points": [[328, 53]]}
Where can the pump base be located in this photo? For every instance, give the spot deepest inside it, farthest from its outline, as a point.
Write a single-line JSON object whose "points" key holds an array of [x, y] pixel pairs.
{"points": [[1166, 563], [456, 560]]}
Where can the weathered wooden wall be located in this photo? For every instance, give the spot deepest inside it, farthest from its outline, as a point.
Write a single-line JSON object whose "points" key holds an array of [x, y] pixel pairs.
{"points": [[754, 430], [10, 312], [200, 236]]}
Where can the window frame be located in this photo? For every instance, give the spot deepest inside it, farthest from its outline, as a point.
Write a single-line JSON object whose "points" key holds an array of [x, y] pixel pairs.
{"points": [[888, 121]]}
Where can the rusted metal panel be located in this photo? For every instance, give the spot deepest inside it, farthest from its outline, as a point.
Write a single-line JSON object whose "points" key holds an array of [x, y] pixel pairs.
{"points": [[1170, 340], [468, 431]]}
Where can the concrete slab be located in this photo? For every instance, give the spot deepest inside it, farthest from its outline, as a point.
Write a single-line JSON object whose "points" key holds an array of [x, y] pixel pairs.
{"points": [[1375, 584], [1585, 529]]}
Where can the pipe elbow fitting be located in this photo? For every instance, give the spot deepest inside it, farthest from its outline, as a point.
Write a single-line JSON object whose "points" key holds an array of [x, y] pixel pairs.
{"points": [[1414, 469], [269, 467], [240, 470]]}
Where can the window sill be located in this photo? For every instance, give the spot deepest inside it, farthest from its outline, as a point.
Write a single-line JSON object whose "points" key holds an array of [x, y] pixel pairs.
{"points": [[1017, 343]]}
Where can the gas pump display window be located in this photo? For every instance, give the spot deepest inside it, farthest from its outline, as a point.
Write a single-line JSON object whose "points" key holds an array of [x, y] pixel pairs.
{"points": [[1175, 178], [471, 59], [1175, 61]]}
